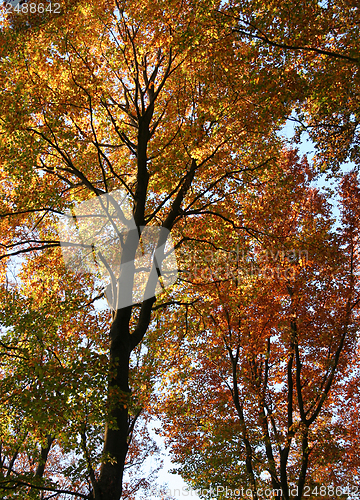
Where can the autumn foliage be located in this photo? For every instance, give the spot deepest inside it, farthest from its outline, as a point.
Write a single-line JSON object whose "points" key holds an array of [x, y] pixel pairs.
{"points": [[267, 354], [255, 348]]}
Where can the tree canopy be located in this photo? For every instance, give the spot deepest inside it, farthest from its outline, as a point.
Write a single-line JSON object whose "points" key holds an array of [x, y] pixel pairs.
{"points": [[250, 355]]}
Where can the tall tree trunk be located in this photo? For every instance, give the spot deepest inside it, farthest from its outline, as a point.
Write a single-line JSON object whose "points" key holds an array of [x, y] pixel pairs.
{"points": [[117, 425]]}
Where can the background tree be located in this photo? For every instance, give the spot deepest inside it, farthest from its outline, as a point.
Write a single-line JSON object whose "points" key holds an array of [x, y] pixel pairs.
{"points": [[315, 45], [265, 358]]}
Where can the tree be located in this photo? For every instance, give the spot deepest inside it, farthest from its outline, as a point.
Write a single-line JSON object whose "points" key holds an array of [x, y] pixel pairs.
{"points": [[106, 96], [266, 358], [315, 44]]}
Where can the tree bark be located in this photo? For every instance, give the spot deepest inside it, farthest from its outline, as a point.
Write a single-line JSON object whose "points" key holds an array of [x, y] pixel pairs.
{"points": [[117, 425]]}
